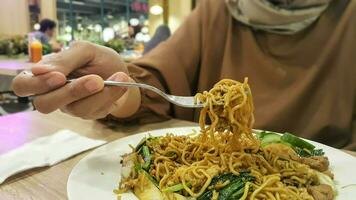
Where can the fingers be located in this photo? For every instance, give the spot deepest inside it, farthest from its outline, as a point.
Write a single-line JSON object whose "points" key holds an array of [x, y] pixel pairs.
{"points": [[50, 73], [101, 104], [79, 54], [41, 69], [79, 89], [26, 84]]}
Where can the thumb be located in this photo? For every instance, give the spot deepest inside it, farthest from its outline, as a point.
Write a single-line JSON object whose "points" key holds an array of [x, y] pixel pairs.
{"points": [[120, 77], [129, 102], [118, 91]]}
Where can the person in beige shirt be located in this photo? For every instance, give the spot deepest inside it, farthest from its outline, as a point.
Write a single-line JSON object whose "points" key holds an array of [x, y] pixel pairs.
{"points": [[299, 57]]}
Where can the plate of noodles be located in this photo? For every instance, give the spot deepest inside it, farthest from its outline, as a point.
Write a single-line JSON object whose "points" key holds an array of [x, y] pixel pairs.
{"points": [[222, 158]]}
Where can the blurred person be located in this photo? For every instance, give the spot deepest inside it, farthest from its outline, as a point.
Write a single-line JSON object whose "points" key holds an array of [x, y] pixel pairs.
{"points": [[133, 30], [46, 33], [162, 33], [299, 57]]}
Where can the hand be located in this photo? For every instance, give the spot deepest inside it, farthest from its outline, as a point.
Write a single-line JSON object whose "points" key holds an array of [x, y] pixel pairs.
{"points": [[86, 97]]}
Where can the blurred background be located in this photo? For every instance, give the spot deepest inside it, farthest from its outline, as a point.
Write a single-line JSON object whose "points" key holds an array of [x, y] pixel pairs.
{"points": [[30, 29]]}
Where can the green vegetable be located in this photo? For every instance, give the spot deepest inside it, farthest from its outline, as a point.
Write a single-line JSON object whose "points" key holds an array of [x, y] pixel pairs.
{"points": [[13, 46], [267, 137], [222, 178], [302, 147], [296, 141], [234, 190], [138, 167], [116, 44], [46, 49], [143, 142], [146, 155], [150, 191], [317, 152], [175, 188], [171, 155], [153, 180], [144, 151], [140, 144], [307, 153], [207, 195], [238, 194], [230, 189]]}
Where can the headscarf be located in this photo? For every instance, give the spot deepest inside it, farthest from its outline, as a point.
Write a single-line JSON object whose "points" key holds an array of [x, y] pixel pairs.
{"points": [[277, 16], [162, 33]]}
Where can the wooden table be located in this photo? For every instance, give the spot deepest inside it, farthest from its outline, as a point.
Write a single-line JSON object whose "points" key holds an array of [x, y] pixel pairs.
{"points": [[9, 68], [51, 182]]}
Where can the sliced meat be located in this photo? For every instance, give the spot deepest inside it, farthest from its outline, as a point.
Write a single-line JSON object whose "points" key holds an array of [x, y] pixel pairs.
{"points": [[329, 173], [321, 192], [320, 163]]}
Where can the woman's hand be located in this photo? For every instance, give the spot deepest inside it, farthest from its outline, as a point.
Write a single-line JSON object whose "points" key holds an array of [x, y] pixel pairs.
{"points": [[86, 97]]}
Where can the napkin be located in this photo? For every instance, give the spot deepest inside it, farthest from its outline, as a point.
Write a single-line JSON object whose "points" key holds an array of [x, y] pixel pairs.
{"points": [[45, 151]]}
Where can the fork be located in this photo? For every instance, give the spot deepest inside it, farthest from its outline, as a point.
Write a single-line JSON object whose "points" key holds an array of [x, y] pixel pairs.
{"points": [[182, 101]]}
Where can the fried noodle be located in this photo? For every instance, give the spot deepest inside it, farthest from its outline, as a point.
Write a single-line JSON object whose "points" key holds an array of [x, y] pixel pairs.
{"points": [[226, 144]]}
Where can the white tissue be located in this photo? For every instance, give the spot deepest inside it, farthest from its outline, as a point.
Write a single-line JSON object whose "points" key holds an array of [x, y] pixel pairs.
{"points": [[45, 151]]}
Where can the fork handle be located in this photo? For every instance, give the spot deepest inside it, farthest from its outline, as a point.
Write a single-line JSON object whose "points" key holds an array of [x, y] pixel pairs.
{"points": [[171, 98], [130, 84], [123, 84]]}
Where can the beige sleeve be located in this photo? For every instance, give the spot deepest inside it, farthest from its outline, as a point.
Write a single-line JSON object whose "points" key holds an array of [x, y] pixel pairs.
{"points": [[172, 67], [352, 145]]}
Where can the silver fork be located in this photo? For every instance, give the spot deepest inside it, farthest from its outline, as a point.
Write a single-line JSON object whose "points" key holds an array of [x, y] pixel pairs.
{"points": [[183, 101]]}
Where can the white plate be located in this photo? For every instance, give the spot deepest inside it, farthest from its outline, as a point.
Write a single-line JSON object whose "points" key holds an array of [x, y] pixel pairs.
{"points": [[98, 174]]}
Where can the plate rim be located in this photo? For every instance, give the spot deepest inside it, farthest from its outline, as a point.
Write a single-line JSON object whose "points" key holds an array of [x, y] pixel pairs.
{"points": [[96, 150]]}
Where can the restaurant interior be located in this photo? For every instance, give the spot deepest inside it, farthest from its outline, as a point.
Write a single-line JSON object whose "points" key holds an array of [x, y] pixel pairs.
{"points": [[177, 99], [123, 25]]}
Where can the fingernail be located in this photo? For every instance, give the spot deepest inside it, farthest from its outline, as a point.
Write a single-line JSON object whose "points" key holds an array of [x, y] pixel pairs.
{"points": [[91, 86], [54, 81], [118, 78]]}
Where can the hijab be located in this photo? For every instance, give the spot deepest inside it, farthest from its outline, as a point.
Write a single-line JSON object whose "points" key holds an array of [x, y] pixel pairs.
{"points": [[277, 16]]}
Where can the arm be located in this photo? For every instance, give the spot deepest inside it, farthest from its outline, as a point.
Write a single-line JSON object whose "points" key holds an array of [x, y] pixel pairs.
{"points": [[172, 67], [352, 145]]}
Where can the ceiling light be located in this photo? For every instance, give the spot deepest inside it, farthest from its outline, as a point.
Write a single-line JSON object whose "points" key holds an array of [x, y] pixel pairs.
{"points": [[78, 2], [98, 28], [134, 22], [68, 37], [144, 30], [116, 27], [108, 34], [156, 10], [68, 29], [37, 26]]}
